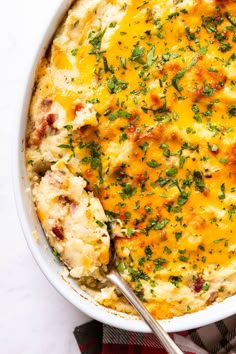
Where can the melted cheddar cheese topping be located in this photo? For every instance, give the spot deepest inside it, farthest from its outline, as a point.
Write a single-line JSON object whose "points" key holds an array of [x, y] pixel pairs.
{"points": [[138, 99]]}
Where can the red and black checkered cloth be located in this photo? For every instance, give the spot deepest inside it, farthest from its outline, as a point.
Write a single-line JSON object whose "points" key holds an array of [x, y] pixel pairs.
{"points": [[96, 338]]}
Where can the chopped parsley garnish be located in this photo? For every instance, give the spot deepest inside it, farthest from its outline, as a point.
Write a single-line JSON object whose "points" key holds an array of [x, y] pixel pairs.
{"points": [[180, 75], [115, 85], [222, 194], [128, 190], [137, 54], [119, 114], [74, 51], [153, 163], [176, 280], [199, 181]]}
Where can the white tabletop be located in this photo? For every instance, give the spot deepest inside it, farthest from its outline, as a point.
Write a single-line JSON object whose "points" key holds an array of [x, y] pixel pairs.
{"points": [[34, 318]]}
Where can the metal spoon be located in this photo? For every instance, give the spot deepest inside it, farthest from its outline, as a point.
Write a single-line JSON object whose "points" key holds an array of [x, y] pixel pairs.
{"points": [[127, 291]]}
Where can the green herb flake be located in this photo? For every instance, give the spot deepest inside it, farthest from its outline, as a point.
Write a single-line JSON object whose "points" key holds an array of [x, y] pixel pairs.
{"points": [[214, 148], [199, 181], [148, 209], [223, 160], [115, 85], [129, 231], [151, 56], [202, 50], [74, 51], [181, 73], [121, 267], [206, 286], [232, 111], [207, 89], [183, 198], [68, 127], [119, 114], [148, 252], [178, 235], [159, 262], [172, 172], [100, 223], [156, 224], [222, 194], [167, 250], [128, 190], [55, 253], [153, 163], [137, 54], [176, 280]]}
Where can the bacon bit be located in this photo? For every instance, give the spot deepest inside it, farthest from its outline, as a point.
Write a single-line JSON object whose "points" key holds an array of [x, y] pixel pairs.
{"points": [[102, 195], [63, 199], [205, 192], [47, 102], [74, 207], [163, 235], [89, 188], [88, 173], [174, 136], [156, 99], [212, 298], [134, 114], [215, 152], [156, 134], [84, 129], [222, 3], [51, 118], [79, 106], [141, 177], [142, 244], [168, 204], [149, 267], [219, 85], [140, 222], [199, 92], [174, 67], [132, 128], [119, 172], [233, 113], [197, 286], [232, 155], [39, 132], [196, 221], [158, 213], [58, 232]]}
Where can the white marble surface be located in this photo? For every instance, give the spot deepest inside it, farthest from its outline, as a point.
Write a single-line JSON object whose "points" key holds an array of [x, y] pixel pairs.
{"points": [[34, 318]]}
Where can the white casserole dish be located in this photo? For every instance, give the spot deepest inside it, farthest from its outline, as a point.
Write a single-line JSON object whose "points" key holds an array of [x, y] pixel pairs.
{"points": [[50, 266]]}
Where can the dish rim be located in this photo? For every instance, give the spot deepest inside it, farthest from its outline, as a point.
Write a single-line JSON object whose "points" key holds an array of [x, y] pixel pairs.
{"points": [[29, 222]]}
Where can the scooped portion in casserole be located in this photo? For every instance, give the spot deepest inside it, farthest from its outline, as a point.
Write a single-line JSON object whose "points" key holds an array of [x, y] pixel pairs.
{"points": [[73, 220], [131, 134]]}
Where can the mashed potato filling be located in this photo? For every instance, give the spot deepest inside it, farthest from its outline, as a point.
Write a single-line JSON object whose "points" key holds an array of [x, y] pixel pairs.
{"points": [[73, 220], [132, 129]]}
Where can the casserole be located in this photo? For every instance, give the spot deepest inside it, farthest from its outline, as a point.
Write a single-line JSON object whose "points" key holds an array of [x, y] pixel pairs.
{"points": [[131, 324]]}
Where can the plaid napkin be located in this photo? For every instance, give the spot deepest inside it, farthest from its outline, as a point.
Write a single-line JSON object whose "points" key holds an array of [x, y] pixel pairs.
{"points": [[96, 338]]}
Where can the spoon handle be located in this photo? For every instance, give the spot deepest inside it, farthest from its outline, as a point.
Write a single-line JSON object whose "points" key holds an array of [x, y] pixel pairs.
{"points": [[155, 326]]}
